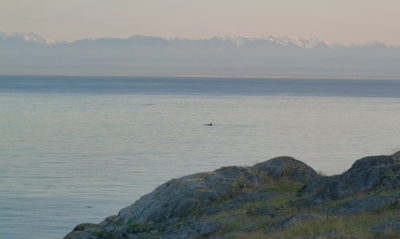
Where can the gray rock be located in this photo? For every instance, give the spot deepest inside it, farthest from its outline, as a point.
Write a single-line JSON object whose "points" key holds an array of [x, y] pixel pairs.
{"points": [[186, 198], [270, 211], [365, 204], [180, 197], [78, 230], [286, 168], [191, 229], [314, 186], [375, 173], [238, 202], [295, 219], [387, 228], [371, 161]]}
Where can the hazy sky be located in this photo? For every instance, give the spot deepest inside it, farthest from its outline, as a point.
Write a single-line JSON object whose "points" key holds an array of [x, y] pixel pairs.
{"points": [[338, 21]]}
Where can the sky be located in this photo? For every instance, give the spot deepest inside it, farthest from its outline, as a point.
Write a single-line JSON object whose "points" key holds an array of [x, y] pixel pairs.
{"points": [[337, 21]]}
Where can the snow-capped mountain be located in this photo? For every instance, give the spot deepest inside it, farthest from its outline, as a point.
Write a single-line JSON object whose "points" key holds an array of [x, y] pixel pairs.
{"points": [[300, 41], [374, 44], [304, 42], [27, 37], [217, 56]]}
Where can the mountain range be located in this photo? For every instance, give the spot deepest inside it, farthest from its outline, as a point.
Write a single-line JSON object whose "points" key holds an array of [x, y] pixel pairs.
{"points": [[235, 56]]}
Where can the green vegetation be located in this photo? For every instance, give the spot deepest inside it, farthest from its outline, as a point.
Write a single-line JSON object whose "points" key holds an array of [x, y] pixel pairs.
{"points": [[144, 226], [99, 233], [237, 224], [283, 187]]}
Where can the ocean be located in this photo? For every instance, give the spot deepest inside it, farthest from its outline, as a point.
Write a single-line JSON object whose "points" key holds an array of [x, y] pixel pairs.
{"points": [[78, 149]]}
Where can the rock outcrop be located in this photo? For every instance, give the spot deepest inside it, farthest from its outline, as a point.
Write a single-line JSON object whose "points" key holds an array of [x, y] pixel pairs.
{"points": [[266, 198], [374, 173]]}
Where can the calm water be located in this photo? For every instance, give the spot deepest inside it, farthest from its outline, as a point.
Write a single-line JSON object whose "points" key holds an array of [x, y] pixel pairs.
{"points": [[67, 143]]}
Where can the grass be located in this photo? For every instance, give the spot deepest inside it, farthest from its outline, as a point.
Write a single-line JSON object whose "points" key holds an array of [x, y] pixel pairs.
{"points": [[322, 226], [235, 220], [321, 174], [99, 233], [282, 187], [237, 224], [277, 200], [360, 195], [144, 226], [238, 219]]}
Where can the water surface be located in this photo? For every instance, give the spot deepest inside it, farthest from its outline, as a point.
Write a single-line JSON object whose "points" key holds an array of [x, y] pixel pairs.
{"points": [[79, 149]]}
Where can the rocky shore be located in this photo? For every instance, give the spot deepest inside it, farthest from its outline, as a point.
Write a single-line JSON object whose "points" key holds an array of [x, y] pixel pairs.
{"points": [[279, 198]]}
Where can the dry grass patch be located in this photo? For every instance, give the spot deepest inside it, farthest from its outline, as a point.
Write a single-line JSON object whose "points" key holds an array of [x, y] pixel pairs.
{"points": [[322, 226]]}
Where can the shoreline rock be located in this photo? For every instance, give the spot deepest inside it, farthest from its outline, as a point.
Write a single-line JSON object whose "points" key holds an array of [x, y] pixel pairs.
{"points": [[268, 197]]}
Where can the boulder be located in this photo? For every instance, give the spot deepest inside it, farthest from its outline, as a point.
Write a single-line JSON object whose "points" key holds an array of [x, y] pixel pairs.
{"points": [[314, 186], [185, 198], [189, 207], [78, 230], [374, 173], [180, 197], [286, 168]]}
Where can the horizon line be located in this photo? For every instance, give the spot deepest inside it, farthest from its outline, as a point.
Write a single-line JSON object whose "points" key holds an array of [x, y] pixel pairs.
{"points": [[212, 76]]}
